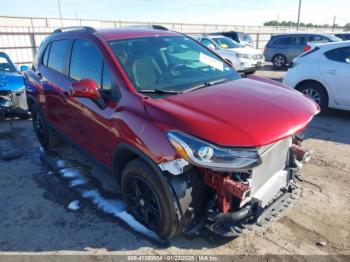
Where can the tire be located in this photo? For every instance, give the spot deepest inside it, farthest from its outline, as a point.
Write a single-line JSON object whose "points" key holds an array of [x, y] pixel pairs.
{"points": [[43, 132], [148, 198], [316, 92], [279, 61]]}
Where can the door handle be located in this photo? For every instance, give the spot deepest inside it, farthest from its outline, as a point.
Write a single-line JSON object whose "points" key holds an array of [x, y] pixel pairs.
{"points": [[332, 71]]}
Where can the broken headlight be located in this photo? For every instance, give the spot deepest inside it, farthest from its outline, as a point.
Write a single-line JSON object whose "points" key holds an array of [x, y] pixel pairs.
{"points": [[205, 154]]}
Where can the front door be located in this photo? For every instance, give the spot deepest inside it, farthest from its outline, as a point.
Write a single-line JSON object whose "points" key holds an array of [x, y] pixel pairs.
{"points": [[93, 125]]}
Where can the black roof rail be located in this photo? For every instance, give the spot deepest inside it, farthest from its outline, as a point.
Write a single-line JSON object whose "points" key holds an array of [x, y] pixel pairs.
{"points": [[87, 29]]}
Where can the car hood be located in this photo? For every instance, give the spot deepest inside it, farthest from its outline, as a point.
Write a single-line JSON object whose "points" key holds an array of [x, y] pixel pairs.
{"points": [[11, 81], [246, 50], [242, 113]]}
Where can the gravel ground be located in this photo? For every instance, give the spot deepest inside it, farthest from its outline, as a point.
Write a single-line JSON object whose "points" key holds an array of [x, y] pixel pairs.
{"points": [[34, 213]]}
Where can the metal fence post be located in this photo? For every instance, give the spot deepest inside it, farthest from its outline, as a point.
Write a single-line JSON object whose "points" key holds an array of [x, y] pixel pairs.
{"points": [[32, 44], [257, 40]]}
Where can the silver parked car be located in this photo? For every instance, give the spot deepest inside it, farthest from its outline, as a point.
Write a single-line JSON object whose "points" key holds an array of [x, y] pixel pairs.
{"points": [[244, 59], [282, 49]]}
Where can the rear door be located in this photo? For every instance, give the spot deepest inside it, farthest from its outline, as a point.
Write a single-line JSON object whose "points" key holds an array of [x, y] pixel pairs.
{"points": [[93, 124], [55, 83], [336, 73], [295, 47]]}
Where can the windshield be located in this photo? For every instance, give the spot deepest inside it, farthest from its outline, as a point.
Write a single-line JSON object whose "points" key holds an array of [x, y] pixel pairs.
{"points": [[169, 63], [245, 37], [6, 64], [225, 42]]}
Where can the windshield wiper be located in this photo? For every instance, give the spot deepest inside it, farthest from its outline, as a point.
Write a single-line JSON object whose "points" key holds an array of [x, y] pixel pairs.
{"points": [[206, 84], [159, 91]]}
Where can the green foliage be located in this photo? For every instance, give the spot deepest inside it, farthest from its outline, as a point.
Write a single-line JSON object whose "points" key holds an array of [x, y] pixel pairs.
{"points": [[294, 24]]}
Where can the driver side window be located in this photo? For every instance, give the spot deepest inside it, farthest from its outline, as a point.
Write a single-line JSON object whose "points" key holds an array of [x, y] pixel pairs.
{"points": [[87, 62]]}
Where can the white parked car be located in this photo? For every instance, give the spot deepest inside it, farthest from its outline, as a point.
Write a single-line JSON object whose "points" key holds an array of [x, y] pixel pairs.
{"points": [[323, 73], [244, 59]]}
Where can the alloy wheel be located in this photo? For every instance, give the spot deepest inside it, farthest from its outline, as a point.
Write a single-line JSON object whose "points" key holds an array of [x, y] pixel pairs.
{"points": [[143, 203], [279, 61], [313, 94]]}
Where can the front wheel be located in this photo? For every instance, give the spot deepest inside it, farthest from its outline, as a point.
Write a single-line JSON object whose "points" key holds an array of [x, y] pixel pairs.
{"points": [[316, 92], [148, 199]]}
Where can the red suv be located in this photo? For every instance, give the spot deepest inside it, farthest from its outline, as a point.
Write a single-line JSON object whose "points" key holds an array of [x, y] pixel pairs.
{"points": [[192, 143]]}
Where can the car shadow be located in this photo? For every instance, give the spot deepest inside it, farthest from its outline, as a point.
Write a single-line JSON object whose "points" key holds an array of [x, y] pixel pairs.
{"points": [[333, 125]]}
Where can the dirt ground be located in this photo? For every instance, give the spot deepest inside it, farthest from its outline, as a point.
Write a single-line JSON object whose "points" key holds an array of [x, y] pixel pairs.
{"points": [[34, 213]]}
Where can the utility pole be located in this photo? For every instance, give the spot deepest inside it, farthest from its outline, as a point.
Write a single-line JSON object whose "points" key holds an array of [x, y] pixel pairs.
{"points": [[298, 15], [333, 23], [59, 9]]}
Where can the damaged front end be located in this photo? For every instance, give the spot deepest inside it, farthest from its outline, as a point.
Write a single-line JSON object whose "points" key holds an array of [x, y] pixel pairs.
{"points": [[13, 103], [244, 187]]}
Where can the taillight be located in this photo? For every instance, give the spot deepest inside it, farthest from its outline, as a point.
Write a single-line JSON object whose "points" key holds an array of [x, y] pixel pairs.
{"points": [[307, 48]]}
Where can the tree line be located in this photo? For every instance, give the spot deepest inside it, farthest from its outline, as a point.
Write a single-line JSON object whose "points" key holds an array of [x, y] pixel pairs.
{"points": [[294, 24]]}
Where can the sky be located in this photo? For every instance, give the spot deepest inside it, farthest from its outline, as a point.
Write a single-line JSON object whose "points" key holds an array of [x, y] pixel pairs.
{"points": [[235, 12]]}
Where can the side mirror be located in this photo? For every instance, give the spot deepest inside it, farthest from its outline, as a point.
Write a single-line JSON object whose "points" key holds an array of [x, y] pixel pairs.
{"points": [[24, 68], [87, 88]]}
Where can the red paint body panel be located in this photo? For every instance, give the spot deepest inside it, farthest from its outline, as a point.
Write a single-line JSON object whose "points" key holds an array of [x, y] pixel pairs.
{"points": [[242, 113]]}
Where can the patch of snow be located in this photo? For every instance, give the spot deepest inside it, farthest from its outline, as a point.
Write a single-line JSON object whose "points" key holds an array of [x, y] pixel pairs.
{"points": [[70, 172], [78, 182], [116, 208], [74, 205], [60, 163]]}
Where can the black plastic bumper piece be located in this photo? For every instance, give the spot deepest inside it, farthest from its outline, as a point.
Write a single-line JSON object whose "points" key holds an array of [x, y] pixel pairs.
{"points": [[251, 217]]}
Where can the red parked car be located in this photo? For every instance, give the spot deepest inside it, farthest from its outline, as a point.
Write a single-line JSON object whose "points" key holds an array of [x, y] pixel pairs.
{"points": [[192, 143]]}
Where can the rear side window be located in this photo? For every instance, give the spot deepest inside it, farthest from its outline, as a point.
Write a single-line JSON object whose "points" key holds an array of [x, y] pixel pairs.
{"points": [[283, 41], [317, 39], [86, 61], [293, 40], [340, 55], [57, 55]]}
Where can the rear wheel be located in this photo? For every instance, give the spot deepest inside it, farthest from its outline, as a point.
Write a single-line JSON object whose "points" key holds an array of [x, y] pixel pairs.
{"points": [[279, 61], [149, 199], [44, 134], [316, 92]]}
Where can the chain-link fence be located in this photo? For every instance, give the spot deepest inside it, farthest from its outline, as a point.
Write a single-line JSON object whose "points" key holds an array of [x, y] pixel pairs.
{"points": [[21, 36]]}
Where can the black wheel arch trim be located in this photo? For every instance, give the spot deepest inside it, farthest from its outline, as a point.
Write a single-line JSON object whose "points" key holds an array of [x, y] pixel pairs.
{"points": [[178, 184]]}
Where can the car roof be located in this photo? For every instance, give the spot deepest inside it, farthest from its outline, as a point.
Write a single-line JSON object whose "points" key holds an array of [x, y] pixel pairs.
{"points": [[331, 45], [214, 36], [116, 33], [301, 34]]}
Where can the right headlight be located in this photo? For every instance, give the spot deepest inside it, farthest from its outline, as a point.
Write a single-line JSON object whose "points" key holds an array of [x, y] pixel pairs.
{"points": [[205, 154]]}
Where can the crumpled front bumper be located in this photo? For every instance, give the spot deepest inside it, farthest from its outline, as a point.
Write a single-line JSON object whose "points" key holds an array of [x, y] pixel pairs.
{"points": [[13, 102], [252, 216]]}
